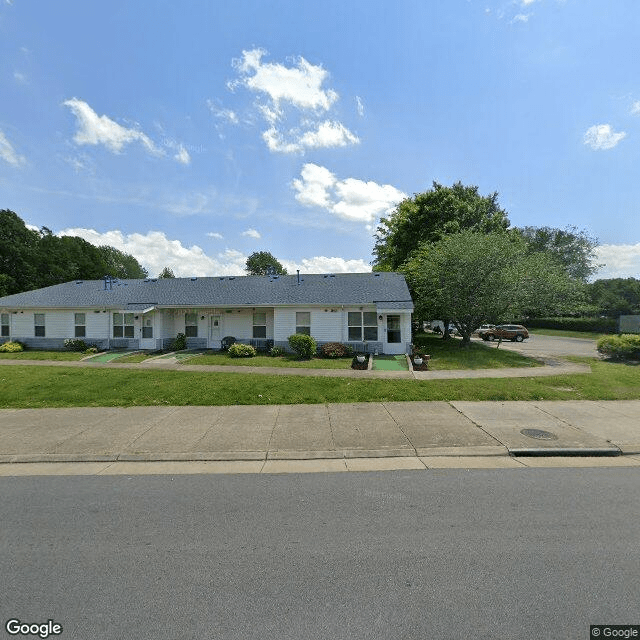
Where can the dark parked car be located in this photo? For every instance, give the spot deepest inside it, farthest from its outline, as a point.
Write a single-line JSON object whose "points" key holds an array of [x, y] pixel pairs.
{"points": [[513, 332]]}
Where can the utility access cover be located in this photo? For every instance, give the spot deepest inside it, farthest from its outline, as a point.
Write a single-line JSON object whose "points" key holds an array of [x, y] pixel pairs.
{"points": [[539, 434]]}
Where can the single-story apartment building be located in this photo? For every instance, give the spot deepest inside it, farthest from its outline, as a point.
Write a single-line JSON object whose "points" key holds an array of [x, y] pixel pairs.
{"points": [[369, 311]]}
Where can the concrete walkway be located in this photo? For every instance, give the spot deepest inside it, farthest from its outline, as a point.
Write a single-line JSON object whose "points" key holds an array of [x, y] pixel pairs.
{"points": [[329, 437]]}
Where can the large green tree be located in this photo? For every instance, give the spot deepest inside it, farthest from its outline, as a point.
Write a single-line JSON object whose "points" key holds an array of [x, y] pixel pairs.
{"points": [[260, 263], [430, 216], [32, 259], [614, 296], [573, 248], [473, 278]]}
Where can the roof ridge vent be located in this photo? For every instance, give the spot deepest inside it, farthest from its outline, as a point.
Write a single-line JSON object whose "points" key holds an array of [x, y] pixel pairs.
{"points": [[194, 278]]}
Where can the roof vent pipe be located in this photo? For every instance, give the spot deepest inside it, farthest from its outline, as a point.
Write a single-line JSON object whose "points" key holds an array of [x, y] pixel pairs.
{"points": [[298, 270]]}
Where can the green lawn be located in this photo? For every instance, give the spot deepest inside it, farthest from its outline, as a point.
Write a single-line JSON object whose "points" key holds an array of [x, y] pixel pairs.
{"points": [[32, 387], [44, 355], [267, 361], [448, 354]]}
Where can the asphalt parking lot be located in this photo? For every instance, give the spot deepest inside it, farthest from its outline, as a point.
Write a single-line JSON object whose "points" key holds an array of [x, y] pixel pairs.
{"points": [[541, 346]]}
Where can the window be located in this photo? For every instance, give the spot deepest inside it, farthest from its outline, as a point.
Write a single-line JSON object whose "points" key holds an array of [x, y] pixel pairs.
{"points": [[80, 321], [393, 329], [303, 322], [4, 325], [123, 325], [259, 324], [191, 325], [362, 325], [38, 321], [147, 328]]}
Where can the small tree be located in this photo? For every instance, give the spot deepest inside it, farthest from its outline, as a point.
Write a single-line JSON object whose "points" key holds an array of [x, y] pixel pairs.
{"points": [[167, 272], [260, 263], [475, 278]]}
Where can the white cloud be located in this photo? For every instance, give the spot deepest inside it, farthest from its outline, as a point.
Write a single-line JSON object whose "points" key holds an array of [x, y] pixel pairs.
{"points": [[327, 134], [521, 17], [8, 153], [602, 136], [155, 251], [351, 199], [94, 130], [214, 234], [292, 101], [182, 156], [251, 233], [221, 113], [619, 260], [299, 85], [359, 106], [20, 78], [635, 108], [323, 264]]}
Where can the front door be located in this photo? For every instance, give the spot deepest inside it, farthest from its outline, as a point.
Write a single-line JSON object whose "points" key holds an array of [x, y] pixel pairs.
{"points": [[214, 332], [147, 339], [394, 335]]}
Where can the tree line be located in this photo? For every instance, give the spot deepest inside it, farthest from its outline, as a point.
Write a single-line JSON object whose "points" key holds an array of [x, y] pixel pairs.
{"points": [[465, 264], [32, 259]]}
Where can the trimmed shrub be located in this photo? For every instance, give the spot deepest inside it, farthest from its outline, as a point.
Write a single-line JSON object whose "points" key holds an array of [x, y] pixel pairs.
{"points": [[75, 344], [276, 352], [238, 350], [335, 350], [597, 325], [303, 345], [622, 347], [180, 343], [11, 347]]}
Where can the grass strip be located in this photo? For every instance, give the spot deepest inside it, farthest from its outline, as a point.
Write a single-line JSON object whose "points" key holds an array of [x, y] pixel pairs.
{"points": [[44, 355], [35, 387]]}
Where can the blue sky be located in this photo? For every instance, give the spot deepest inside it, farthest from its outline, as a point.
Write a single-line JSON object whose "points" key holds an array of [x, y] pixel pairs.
{"points": [[192, 134]]}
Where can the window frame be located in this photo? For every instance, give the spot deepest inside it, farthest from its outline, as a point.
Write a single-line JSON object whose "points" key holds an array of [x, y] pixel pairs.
{"points": [[39, 328], [80, 328], [366, 331], [127, 329], [191, 329], [303, 327], [259, 329], [5, 327]]}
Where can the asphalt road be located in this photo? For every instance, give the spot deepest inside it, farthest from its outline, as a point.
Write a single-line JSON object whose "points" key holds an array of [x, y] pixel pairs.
{"points": [[551, 346], [412, 555]]}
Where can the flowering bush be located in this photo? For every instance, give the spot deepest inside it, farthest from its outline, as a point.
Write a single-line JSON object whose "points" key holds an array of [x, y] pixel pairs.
{"points": [[276, 351], [75, 344], [335, 350], [238, 350], [11, 347]]}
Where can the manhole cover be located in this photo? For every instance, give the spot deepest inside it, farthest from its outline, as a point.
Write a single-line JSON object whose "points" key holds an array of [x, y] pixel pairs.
{"points": [[539, 434]]}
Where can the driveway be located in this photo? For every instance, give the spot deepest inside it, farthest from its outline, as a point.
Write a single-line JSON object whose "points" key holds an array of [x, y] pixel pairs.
{"points": [[540, 346]]}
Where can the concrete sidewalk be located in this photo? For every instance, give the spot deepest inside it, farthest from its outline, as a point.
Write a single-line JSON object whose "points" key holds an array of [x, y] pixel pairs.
{"points": [[333, 432]]}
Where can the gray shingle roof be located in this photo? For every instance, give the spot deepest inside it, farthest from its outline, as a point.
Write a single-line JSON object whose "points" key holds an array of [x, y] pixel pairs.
{"points": [[343, 288]]}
